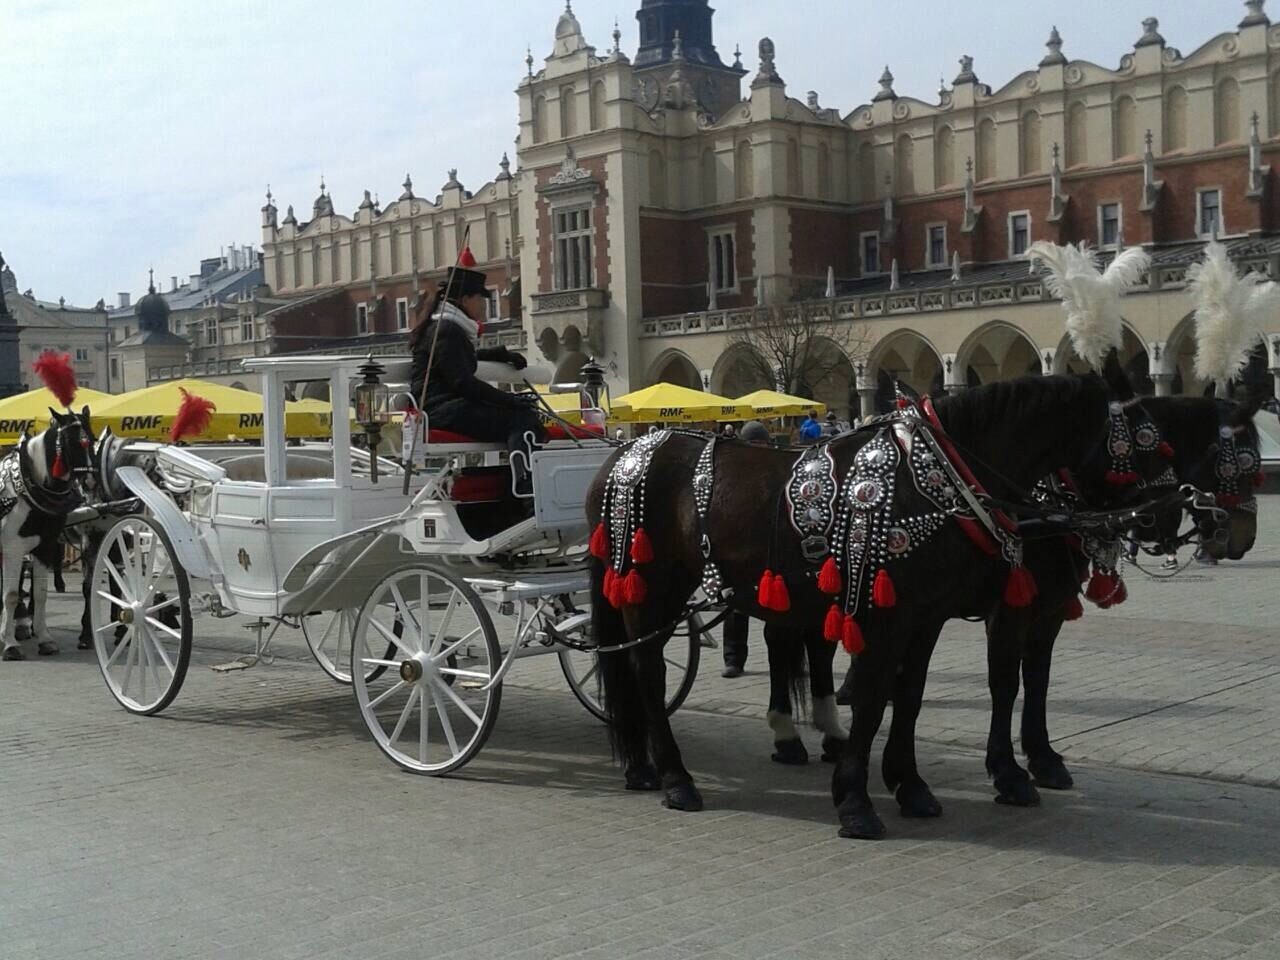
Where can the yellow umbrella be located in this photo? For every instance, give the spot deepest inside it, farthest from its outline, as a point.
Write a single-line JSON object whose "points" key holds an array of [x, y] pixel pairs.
{"points": [[771, 403], [568, 406], [30, 410], [669, 403], [148, 413]]}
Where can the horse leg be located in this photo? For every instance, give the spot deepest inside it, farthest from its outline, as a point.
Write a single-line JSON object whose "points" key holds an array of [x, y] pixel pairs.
{"points": [[869, 693], [1006, 633], [826, 716], [10, 572], [620, 688], [898, 767], [1045, 763], [22, 615], [785, 668], [46, 646], [679, 793], [87, 560]]}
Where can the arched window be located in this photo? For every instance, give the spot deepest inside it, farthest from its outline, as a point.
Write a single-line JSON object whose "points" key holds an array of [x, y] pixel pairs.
{"points": [[1175, 120], [568, 112], [795, 178], [657, 179], [1226, 112], [492, 241], [597, 105], [824, 171], [944, 158], [866, 172], [539, 118], [904, 166], [743, 174], [709, 177], [1029, 147], [1077, 135], [1124, 128], [986, 149]]}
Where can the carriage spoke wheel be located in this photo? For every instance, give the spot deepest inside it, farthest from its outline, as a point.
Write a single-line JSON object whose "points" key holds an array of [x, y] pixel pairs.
{"points": [[432, 709], [680, 655], [140, 611], [328, 636]]}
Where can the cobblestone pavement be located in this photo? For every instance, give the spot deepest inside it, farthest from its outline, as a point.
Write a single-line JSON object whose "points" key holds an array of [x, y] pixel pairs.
{"points": [[254, 818]]}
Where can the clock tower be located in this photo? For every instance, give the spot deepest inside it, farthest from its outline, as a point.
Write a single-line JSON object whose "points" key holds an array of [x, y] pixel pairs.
{"points": [[676, 34]]}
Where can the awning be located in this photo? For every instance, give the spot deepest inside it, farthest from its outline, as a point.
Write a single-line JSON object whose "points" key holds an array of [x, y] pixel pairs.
{"points": [[668, 403], [771, 403], [30, 410], [148, 413]]}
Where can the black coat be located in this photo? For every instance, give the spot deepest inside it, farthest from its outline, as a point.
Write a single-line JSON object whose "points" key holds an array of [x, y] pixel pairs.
{"points": [[453, 369]]}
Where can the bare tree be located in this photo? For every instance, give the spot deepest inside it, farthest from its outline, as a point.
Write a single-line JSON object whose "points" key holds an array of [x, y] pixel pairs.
{"points": [[800, 345]]}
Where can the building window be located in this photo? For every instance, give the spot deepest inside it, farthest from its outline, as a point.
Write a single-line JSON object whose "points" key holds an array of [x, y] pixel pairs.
{"points": [[1019, 233], [573, 248], [82, 353], [724, 263], [936, 253], [362, 318], [246, 330], [1108, 224], [1209, 212], [115, 368], [869, 246], [402, 313], [211, 333], [491, 303]]}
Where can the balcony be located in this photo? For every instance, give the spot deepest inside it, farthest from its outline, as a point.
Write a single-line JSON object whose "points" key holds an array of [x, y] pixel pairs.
{"points": [[569, 319]]}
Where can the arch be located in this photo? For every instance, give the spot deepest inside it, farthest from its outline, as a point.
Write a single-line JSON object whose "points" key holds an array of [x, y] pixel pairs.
{"points": [[1077, 135], [1180, 354], [1029, 143], [549, 344], [1124, 128], [824, 171], [795, 176], [908, 356], [1175, 120], [829, 379], [986, 162], [997, 351], [904, 166], [739, 371], [238, 385], [1226, 112], [568, 112], [596, 105], [539, 118], [674, 366], [743, 172], [315, 390], [866, 172], [1133, 358], [709, 177], [944, 158], [657, 179]]}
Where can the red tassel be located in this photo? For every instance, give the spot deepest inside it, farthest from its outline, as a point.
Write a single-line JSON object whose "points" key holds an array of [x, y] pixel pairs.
{"points": [[1101, 586], [903, 403], [779, 597], [833, 626], [1228, 500], [829, 581], [1074, 609], [641, 547], [851, 637], [1020, 589], [1165, 449], [634, 589], [762, 589], [1121, 478], [610, 584], [600, 543], [883, 593], [1120, 595], [59, 469]]}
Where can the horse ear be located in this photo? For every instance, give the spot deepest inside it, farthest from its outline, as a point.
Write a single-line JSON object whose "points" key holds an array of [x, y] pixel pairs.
{"points": [[54, 416], [1116, 379], [1244, 410]]}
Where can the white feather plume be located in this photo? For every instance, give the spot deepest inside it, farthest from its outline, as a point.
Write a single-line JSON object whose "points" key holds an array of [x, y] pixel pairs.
{"points": [[1226, 303], [1090, 297]]}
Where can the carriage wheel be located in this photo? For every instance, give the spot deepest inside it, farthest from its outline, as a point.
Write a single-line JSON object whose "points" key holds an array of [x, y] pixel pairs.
{"points": [[432, 712], [682, 653], [328, 636], [140, 611]]}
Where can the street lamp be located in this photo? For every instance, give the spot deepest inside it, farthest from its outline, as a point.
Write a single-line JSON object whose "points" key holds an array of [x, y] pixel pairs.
{"points": [[372, 409]]}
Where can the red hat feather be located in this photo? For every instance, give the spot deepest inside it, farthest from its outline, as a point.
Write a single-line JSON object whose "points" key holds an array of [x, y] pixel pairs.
{"points": [[58, 375], [195, 413], [465, 259]]}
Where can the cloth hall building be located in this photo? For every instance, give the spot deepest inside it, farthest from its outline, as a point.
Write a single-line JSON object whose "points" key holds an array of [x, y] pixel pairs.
{"points": [[662, 201]]}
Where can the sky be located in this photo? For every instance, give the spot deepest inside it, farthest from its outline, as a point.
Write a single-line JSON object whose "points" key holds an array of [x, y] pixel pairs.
{"points": [[144, 133]]}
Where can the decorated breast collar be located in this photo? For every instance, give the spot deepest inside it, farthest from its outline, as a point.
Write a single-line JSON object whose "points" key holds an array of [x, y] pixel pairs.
{"points": [[620, 540], [1236, 469], [1123, 443]]}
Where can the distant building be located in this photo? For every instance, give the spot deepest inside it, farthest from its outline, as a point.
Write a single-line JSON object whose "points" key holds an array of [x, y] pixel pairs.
{"points": [[10, 367]]}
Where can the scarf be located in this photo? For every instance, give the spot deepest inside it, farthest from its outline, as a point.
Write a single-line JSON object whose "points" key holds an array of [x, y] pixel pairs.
{"points": [[455, 314]]}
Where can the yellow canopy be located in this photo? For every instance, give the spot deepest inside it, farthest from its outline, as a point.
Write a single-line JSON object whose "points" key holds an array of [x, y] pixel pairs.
{"points": [[568, 406], [669, 403], [30, 410], [771, 403], [148, 413]]}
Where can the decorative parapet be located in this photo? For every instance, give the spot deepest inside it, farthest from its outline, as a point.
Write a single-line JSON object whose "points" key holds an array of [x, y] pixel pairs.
{"points": [[560, 300]]}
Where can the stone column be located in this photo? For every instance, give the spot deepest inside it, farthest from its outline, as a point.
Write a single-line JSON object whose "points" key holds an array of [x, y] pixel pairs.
{"points": [[1163, 383], [867, 401], [952, 375]]}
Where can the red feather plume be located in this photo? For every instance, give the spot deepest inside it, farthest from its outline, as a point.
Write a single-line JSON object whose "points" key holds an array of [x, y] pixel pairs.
{"points": [[195, 413], [58, 375], [465, 259]]}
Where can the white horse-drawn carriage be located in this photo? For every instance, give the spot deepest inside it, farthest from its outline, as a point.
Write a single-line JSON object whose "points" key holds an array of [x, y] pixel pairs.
{"points": [[421, 594]]}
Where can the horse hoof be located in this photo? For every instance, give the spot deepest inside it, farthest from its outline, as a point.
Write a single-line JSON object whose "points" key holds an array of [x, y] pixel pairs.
{"points": [[683, 796], [47, 648], [917, 800], [832, 749], [790, 752], [1019, 793], [1052, 774], [12, 653], [84, 643], [642, 777], [861, 825]]}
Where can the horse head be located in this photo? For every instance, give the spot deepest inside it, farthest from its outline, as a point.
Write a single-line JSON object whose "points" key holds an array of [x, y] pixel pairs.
{"points": [[63, 453], [1232, 472]]}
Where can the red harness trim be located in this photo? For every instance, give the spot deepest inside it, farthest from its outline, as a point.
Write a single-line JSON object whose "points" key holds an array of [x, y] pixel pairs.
{"points": [[972, 528]]}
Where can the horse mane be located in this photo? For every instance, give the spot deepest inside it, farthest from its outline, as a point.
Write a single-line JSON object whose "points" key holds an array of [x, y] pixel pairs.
{"points": [[1043, 399]]}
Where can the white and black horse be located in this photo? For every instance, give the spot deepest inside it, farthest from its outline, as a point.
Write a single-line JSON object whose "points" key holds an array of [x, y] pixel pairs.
{"points": [[39, 487]]}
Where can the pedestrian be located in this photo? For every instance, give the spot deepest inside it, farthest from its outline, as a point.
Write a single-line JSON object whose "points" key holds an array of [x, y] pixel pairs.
{"points": [[753, 431], [810, 428], [729, 432], [619, 435], [831, 427]]}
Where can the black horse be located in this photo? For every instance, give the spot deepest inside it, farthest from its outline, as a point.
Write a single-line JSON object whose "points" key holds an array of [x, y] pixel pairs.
{"points": [[1011, 435]]}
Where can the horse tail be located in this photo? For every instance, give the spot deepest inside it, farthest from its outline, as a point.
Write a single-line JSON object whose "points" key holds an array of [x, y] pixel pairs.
{"points": [[619, 683]]}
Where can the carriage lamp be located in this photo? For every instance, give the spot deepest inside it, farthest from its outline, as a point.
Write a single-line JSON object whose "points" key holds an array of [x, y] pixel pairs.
{"points": [[372, 408], [592, 386]]}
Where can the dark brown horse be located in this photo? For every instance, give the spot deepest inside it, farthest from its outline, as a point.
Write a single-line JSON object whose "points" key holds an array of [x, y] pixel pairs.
{"points": [[1011, 435]]}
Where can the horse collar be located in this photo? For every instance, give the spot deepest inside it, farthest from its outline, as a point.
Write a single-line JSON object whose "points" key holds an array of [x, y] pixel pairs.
{"points": [[18, 478]]}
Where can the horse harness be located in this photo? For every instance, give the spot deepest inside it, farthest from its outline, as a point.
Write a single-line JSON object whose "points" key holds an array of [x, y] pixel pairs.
{"points": [[16, 484]]}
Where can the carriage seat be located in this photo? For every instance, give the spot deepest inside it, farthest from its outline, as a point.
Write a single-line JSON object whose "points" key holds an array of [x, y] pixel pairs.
{"points": [[585, 432], [251, 468]]}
